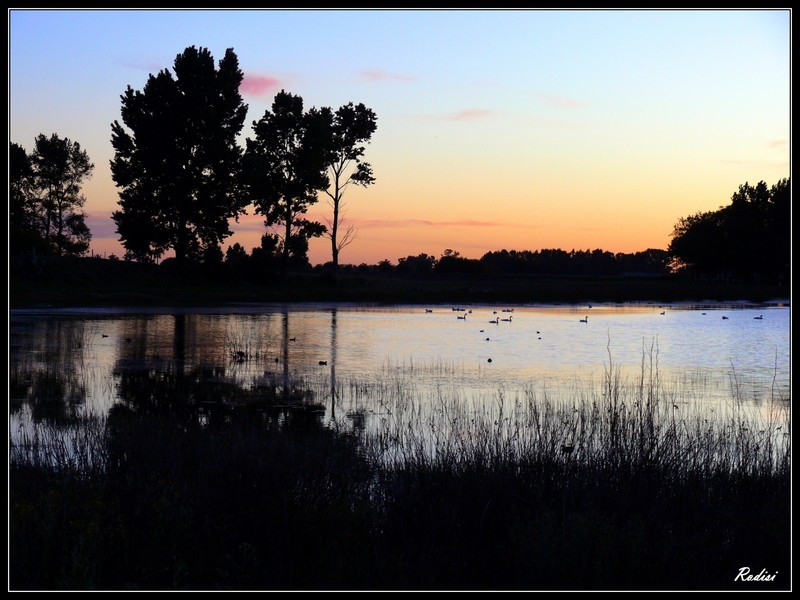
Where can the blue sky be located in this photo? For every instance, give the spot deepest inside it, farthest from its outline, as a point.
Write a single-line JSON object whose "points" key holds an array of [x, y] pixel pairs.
{"points": [[517, 129]]}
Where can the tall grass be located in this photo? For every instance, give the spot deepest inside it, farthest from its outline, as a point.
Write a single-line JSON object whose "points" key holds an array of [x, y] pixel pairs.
{"points": [[625, 485]]}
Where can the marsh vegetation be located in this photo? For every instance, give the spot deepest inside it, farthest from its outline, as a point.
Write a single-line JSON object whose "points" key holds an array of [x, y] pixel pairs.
{"points": [[198, 478]]}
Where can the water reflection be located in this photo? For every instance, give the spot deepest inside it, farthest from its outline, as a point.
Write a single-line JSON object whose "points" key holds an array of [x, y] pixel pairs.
{"points": [[357, 361], [47, 372], [333, 364], [206, 395]]}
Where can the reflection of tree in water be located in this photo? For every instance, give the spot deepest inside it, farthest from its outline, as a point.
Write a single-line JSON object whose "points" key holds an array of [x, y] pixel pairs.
{"points": [[204, 395], [171, 411], [48, 376]]}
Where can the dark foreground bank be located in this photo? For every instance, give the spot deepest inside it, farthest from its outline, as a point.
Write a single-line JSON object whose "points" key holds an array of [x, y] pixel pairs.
{"points": [[239, 504], [69, 281]]}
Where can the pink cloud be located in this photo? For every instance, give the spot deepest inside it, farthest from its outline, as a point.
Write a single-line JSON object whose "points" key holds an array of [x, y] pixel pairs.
{"points": [[560, 101], [248, 222], [377, 223], [377, 75], [259, 85]]}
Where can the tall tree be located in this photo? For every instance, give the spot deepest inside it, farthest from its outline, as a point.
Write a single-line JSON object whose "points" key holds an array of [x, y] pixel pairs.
{"points": [[352, 127], [58, 168], [285, 168], [178, 164]]}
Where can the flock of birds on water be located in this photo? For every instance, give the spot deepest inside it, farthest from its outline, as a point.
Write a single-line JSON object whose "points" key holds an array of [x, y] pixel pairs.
{"points": [[497, 320], [463, 317]]}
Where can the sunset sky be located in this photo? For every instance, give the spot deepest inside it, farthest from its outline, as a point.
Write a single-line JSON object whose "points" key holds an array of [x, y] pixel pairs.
{"points": [[517, 130]]}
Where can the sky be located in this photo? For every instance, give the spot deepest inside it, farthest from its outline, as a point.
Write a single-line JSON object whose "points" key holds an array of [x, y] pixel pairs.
{"points": [[496, 129]]}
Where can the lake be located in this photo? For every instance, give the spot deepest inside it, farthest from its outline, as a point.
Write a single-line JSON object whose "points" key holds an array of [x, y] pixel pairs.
{"points": [[374, 360]]}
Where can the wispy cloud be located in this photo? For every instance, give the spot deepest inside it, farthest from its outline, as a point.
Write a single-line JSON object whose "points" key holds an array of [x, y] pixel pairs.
{"points": [[778, 144], [469, 114], [259, 85], [372, 75], [150, 67], [560, 101], [101, 224], [402, 223], [249, 222]]}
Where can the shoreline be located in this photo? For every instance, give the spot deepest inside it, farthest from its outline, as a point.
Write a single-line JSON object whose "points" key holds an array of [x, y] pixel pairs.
{"points": [[92, 282]]}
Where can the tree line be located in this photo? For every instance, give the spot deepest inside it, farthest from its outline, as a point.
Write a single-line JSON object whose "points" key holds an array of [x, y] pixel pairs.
{"points": [[236, 263], [748, 239], [182, 177]]}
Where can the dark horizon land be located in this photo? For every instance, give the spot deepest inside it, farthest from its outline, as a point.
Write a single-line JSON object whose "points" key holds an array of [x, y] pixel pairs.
{"points": [[73, 281]]}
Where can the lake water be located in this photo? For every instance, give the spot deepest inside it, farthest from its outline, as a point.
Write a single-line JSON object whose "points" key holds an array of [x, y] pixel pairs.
{"points": [[361, 358]]}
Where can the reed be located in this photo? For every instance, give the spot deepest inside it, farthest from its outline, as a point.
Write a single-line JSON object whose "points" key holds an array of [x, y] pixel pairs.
{"points": [[249, 341]]}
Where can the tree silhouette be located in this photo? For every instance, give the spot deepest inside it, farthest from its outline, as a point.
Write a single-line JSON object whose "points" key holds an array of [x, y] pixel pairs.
{"points": [[178, 163], [23, 216], [352, 126], [45, 196], [749, 238], [285, 168]]}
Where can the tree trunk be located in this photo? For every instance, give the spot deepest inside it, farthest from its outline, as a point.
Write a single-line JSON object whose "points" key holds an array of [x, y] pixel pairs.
{"points": [[286, 239], [334, 234]]}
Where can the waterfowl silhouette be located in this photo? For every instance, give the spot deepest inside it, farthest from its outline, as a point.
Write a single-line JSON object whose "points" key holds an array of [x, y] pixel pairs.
{"points": [[586, 320], [759, 317]]}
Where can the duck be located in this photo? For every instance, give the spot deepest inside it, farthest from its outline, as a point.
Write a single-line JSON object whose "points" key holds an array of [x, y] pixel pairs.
{"points": [[585, 320], [759, 317]]}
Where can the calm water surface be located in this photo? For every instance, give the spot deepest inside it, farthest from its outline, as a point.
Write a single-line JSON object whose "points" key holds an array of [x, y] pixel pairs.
{"points": [[705, 356]]}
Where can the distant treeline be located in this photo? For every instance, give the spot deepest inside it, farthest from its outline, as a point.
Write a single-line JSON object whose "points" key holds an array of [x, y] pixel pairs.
{"points": [[236, 263], [549, 262]]}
